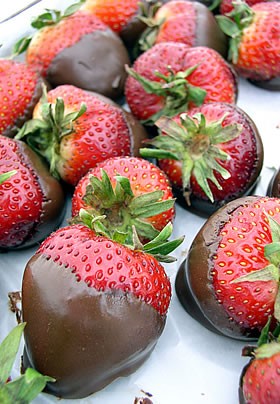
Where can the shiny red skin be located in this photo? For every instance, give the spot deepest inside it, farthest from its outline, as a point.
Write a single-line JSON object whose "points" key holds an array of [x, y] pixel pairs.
{"points": [[259, 48], [241, 251], [245, 151], [101, 132], [144, 177], [213, 74], [261, 381], [104, 264], [18, 83], [114, 13]]}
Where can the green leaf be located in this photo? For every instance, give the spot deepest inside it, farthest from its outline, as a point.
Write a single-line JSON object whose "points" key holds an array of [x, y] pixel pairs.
{"points": [[21, 46], [228, 26], [144, 199], [8, 351], [165, 248], [5, 176], [73, 8], [27, 387], [154, 208], [269, 273], [125, 184], [158, 154]]}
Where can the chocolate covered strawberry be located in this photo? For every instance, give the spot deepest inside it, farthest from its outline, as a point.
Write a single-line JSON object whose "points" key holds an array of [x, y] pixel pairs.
{"points": [[255, 42], [260, 378], [188, 22], [125, 192], [230, 279], [77, 48], [32, 201], [273, 188], [171, 77], [21, 88], [94, 308], [212, 154], [75, 130]]}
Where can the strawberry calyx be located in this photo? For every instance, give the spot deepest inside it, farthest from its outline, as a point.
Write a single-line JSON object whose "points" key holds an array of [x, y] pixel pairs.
{"points": [[118, 209], [160, 246], [44, 135], [46, 19], [5, 176], [194, 143], [25, 388], [174, 87], [233, 25], [271, 272], [147, 16]]}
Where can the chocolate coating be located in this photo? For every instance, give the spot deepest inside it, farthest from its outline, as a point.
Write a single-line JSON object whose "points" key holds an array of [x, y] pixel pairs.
{"points": [[83, 338], [274, 185], [193, 281], [208, 32], [95, 63], [271, 85]]}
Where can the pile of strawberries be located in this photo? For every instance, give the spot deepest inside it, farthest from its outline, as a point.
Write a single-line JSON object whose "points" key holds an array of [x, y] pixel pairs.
{"points": [[123, 108]]}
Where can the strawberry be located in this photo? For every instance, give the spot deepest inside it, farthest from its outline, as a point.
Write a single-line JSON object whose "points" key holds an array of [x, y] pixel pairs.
{"points": [[212, 154], [255, 42], [230, 279], [103, 302], [75, 130], [226, 6], [20, 88], [115, 13], [128, 191], [76, 48], [273, 188], [170, 77], [260, 378], [188, 22], [32, 201]]}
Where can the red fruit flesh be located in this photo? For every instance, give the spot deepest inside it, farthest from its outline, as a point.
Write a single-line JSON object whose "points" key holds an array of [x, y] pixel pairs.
{"points": [[212, 74], [104, 265], [179, 22], [241, 251], [101, 132], [114, 13], [49, 41], [144, 178], [259, 49], [261, 382], [21, 196], [244, 154], [17, 86]]}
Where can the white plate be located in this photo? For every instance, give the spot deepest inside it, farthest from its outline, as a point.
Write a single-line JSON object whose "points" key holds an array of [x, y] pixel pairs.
{"points": [[189, 364]]}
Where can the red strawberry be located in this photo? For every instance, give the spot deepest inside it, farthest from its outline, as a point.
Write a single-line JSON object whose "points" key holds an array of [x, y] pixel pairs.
{"points": [[274, 185], [230, 280], [114, 13], [130, 191], [255, 42], [212, 154], [32, 202], [76, 130], [104, 303], [21, 89], [170, 77], [188, 22], [226, 6], [79, 49], [260, 379]]}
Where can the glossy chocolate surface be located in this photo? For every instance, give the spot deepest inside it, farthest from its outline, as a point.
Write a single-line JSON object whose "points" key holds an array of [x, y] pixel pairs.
{"points": [[193, 281], [95, 63], [271, 85], [208, 32], [274, 185], [83, 338]]}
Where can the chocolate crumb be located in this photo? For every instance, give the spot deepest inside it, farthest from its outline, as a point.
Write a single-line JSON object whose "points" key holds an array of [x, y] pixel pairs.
{"points": [[14, 301], [142, 400]]}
